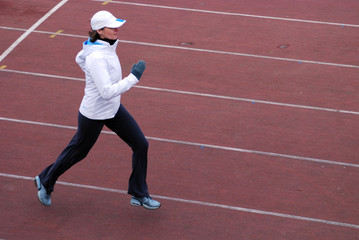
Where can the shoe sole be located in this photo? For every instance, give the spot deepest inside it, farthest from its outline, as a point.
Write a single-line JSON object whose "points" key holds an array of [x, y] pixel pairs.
{"points": [[37, 187], [137, 203], [151, 208]]}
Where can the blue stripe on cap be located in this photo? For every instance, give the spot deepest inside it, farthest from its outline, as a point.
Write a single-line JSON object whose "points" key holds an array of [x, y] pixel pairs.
{"points": [[120, 20]]}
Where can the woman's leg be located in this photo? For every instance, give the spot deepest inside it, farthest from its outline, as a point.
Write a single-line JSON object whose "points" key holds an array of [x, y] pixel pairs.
{"points": [[78, 148], [124, 125]]}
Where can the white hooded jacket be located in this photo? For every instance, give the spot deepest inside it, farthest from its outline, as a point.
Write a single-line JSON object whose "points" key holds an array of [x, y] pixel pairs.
{"points": [[104, 83]]}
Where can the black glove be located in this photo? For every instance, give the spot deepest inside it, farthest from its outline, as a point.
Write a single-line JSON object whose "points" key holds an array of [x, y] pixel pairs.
{"points": [[138, 69]]}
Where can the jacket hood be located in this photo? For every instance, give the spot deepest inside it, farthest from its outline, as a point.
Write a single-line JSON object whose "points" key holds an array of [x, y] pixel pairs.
{"points": [[89, 47]]}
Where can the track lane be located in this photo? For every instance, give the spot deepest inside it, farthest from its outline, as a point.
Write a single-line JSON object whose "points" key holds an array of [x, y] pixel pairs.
{"points": [[218, 122], [233, 33], [280, 81], [310, 189], [108, 215], [345, 12]]}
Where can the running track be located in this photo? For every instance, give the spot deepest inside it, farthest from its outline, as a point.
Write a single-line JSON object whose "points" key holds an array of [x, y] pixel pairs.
{"points": [[250, 108]]}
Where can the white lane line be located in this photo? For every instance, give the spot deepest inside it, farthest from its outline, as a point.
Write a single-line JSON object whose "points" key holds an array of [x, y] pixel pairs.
{"points": [[249, 100], [241, 54], [233, 14], [204, 50], [31, 29], [197, 94], [278, 155], [201, 203]]}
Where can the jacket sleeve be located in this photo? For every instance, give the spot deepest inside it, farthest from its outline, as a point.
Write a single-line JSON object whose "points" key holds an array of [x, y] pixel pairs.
{"points": [[97, 67]]}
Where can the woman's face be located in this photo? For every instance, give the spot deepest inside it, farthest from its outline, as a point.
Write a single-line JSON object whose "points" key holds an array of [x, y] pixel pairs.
{"points": [[109, 33]]}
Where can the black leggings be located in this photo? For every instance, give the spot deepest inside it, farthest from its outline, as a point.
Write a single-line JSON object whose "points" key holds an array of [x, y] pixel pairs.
{"points": [[87, 133]]}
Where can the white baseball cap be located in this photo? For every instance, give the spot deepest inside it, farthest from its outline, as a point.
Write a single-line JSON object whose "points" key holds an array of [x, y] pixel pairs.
{"points": [[103, 19]]}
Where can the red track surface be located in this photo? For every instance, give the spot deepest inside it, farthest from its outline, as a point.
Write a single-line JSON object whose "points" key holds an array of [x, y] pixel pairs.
{"points": [[260, 195]]}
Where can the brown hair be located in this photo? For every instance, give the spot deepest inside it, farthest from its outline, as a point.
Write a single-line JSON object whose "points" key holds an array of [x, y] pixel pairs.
{"points": [[93, 35]]}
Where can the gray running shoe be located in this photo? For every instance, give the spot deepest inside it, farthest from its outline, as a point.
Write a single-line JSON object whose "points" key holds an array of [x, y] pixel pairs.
{"points": [[146, 202], [42, 195]]}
